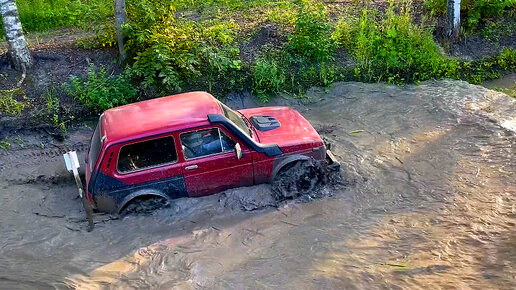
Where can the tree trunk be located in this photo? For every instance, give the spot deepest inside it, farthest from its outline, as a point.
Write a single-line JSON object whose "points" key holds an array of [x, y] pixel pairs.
{"points": [[120, 19], [18, 52], [453, 19]]}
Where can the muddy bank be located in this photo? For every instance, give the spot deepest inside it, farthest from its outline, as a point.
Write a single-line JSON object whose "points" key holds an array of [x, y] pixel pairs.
{"points": [[54, 64], [430, 202]]}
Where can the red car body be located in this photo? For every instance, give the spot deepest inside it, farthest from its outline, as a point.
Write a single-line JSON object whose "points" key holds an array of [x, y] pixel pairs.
{"points": [[268, 139]]}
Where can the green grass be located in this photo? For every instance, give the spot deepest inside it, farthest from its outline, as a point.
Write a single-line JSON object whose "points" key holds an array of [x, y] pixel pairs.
{"points": [[511, 92], [4, 144], [40, 15], [475, 13], [9, 104]]}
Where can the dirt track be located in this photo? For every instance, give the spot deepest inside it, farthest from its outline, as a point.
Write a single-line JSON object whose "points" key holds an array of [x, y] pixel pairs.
{"points": [[431, 202]]}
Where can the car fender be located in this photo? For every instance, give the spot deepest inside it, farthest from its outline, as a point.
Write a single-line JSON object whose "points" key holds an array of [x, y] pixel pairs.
{"points": [[287, 160], [139, 193]]}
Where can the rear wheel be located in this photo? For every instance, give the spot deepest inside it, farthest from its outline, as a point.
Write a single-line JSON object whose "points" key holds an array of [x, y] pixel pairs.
{"points": [[297, 179], [145, 205]]}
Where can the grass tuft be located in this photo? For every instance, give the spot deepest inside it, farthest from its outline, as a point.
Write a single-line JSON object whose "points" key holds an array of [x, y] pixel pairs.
{"points": [[8, 103]]}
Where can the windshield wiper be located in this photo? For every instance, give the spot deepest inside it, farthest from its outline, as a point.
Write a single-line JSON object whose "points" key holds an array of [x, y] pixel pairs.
{"points": [[248, 124]]}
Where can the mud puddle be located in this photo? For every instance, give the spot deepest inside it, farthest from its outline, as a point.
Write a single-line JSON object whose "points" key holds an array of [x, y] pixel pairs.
{"points": [[430, 201]]}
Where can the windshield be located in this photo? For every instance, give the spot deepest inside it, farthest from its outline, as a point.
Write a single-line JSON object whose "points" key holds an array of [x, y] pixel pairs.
{"points": [[95, 147], [237, 119]]}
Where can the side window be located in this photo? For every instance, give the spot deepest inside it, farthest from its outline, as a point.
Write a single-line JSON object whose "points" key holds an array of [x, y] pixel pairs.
{"points": [[205, 142], [227, 143], [147, 154]]}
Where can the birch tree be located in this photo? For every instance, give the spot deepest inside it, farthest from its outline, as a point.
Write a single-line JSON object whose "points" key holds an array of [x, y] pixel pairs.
{"points": [[453, 19], [120, 19], [18, 52]]}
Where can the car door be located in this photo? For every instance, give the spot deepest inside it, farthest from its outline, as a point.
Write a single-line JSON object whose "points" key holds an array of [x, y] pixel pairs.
{"points": [[147, 165], [211, 165]]}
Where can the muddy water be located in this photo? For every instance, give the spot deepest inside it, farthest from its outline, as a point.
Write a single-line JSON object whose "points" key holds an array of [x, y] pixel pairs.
{"points": [[429, 201], [506, 82]]}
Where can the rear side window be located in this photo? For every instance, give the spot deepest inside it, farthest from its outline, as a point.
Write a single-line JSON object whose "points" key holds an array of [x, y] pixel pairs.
{"points": [[94, 147], [147, 154]]}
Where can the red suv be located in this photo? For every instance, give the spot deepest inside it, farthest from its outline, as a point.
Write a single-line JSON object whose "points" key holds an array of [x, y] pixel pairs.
{"points": [[191, 145]]}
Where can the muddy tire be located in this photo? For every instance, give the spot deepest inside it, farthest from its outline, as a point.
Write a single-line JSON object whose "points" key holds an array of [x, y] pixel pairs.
{"points": [[145, 205], [297, 179]]}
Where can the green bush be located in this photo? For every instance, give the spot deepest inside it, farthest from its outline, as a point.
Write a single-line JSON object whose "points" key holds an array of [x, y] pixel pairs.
{"points": [[100, 91], [312, 35], [307, 57], [51, 111], [170, 53], [104, 37], [393, 49], [490, 67], [495, 29], [511, 92], [9, 104], [268, 78], [317, 74]]}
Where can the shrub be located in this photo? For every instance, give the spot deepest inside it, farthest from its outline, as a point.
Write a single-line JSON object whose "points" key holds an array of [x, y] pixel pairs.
{"points": [[219, 4], [307, 57], [268, 78], [52, 112], [100, 91], [478, 11], [8, 103], [105, 36], [393, 49], [490, 67], [312, 35], [318, 74], [511, 92], [170, 53]]}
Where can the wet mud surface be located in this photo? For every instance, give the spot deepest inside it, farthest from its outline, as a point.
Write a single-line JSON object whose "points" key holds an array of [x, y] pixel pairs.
{"points": [[427, 199]]}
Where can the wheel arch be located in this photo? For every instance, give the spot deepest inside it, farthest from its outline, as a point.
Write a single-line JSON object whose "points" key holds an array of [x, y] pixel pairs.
{"points": [[289, 160], [144, 192]]}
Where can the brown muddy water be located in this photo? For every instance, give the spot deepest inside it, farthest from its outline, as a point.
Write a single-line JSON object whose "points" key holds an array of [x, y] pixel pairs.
{"points": [[429, 202]]}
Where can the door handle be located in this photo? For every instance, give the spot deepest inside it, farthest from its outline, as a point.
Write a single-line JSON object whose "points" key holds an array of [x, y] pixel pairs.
{"points": [[191, 167]]}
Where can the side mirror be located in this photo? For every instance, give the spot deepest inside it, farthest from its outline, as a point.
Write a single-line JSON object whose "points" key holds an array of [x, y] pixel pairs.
{"points": [[238, 151]]}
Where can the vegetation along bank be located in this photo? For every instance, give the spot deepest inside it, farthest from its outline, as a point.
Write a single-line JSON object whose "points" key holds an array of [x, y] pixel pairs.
{"points": [[266, 47]]}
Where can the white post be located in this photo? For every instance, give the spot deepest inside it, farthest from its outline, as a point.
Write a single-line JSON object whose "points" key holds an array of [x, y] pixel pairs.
{"points": [[72, 164]]}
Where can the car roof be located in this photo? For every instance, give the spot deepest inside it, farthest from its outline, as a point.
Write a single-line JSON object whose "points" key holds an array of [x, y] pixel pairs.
{"points": [[157, 116]]}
